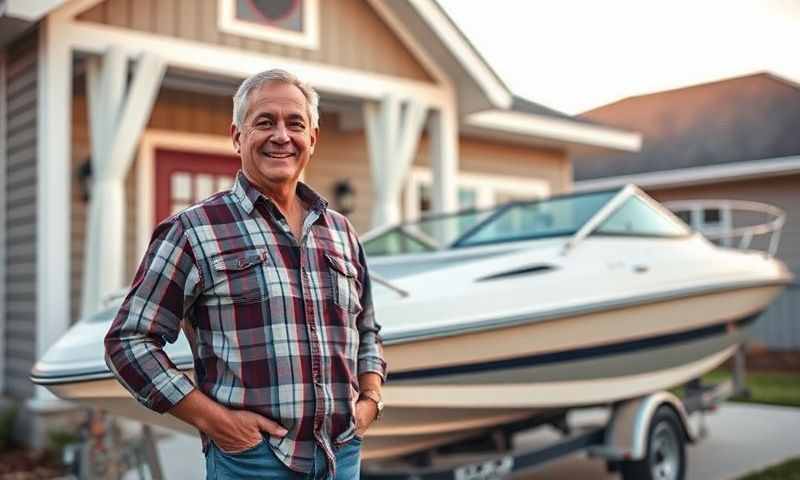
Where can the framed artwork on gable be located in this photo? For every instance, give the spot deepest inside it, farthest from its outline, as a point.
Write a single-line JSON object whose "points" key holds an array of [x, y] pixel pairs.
{"points": [[290, 22]]}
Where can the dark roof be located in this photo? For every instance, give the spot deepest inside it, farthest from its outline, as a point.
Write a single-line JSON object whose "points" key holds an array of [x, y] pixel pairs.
{"points": [[740, 119], [520, 104]]}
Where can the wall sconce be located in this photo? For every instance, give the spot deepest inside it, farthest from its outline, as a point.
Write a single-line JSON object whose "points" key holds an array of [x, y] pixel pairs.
{"points": [[344, 197], [84, 173]]}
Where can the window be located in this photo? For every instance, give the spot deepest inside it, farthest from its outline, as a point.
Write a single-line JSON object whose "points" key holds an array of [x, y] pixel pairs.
{"points": [[475, 191], [715, 221], [290, 22], [635, 217]]}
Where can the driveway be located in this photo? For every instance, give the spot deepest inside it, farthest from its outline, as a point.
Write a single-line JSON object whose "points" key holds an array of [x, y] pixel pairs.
{"points": [[742, 438]]}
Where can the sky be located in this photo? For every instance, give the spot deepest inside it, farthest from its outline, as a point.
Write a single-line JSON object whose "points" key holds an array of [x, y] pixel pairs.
{"points": [[574, 55]]}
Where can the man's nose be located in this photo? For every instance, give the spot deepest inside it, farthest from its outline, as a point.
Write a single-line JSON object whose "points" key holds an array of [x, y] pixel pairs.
{"points": [[281, 134]]}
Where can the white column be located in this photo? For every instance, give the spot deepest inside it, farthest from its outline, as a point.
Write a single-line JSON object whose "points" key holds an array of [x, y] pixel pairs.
{"points": [[444, 158], [118, 114], [393, 126], [52, 193]]}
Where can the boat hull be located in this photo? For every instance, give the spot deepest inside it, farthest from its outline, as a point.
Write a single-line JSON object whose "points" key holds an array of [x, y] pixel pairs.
{"points": [[446, 388]]}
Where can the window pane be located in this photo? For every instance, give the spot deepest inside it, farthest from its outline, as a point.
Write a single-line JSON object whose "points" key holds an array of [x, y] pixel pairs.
{"points": [[203, 186], [467, 198], [395, 242], [546, 218], [636, 217], [181, 186], [287, 14], [224, 183], [711, 215], [685, 215]]}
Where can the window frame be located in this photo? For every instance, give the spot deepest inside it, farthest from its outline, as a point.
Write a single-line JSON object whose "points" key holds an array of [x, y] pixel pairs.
{"points": [[308, 38], [486, 187]]}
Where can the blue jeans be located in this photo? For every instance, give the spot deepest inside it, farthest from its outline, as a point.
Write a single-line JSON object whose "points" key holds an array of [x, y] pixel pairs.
{"points": [[260, 463]]}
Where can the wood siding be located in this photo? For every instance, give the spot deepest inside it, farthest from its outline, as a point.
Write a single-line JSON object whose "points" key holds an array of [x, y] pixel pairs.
{"points": [[779, 327], [20, 215], [352, 35]]}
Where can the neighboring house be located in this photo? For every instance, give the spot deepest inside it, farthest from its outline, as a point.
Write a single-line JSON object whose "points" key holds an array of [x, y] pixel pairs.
{"points": [[115, 113], [732, 139]]}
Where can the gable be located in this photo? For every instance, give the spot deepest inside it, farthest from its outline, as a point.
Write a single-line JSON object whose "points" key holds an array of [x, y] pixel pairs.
{"points": [[351, 34]]}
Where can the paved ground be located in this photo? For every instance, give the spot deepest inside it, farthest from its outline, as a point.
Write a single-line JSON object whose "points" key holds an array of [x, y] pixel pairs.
{"points": [[742, 438]]}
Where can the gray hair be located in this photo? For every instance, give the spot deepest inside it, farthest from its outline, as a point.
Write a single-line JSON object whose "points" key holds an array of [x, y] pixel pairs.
{"points": [[242, 98]]}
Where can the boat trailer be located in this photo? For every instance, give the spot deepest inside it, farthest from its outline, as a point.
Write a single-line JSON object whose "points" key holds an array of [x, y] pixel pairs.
{"points": [[644, 438]]}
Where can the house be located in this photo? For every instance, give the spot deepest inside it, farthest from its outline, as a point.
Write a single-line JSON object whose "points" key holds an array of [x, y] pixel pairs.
{"points": [[115, 113], [733, 139]]}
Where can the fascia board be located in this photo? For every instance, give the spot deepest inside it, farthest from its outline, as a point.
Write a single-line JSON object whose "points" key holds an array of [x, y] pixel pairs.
{"points": [[698, 175], [557, 129]]}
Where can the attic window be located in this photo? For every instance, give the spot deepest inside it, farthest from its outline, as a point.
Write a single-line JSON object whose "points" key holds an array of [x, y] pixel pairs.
{"points": [[289, 22]]}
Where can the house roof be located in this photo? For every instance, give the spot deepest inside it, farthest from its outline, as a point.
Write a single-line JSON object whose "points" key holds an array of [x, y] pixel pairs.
{"points": [[730, 121]]}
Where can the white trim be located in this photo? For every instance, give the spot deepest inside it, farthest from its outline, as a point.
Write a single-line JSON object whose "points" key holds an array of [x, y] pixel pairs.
{"points": [[234, 62], [53, 168], [557, 129], [309, 38], [698, 175], [496, 92], [410, 42], [145, 175], [486, 186], [3, 258]]}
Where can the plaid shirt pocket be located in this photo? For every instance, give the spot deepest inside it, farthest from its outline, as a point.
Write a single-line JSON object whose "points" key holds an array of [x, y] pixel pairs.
{"points": [[344, 283], [238, 276]]}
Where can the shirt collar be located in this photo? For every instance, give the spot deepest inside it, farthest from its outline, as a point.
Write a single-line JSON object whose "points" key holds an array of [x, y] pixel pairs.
{"points": [[246, 194]]}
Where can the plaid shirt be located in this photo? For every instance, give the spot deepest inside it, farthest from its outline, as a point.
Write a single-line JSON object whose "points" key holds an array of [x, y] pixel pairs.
{"points": [[278, 327]]}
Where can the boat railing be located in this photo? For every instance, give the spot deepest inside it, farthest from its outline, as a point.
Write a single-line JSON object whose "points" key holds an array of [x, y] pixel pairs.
{"points": [[725, 230]]}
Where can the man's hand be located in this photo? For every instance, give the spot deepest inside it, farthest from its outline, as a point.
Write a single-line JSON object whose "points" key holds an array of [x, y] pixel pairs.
{"points": [[233, 431], [366, 412], [242, 431]]}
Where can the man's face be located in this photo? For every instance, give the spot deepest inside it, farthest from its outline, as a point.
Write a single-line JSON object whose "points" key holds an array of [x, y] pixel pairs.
{"points": [[276, 140]]}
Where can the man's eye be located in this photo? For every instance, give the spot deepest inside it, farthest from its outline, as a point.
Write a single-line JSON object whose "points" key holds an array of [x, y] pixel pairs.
{"points": [[263, 124]]}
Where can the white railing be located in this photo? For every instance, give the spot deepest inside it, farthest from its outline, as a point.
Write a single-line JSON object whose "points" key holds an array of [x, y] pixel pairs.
{"points": [[776, 218]]}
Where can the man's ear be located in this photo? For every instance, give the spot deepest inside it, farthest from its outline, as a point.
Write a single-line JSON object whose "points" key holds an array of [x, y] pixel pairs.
{"points": [[235, 134], [314, 138]]}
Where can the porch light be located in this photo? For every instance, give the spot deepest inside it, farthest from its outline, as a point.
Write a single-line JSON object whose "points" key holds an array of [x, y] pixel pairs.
{"points": [[344, 197], [84, 172]]}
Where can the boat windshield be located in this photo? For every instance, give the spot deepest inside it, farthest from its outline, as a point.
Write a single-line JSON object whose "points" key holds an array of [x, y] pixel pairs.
{"points": [[552, 217]]}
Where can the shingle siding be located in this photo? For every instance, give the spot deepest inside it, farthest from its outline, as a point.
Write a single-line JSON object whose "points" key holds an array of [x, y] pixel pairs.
{"points": [[19, 216]]}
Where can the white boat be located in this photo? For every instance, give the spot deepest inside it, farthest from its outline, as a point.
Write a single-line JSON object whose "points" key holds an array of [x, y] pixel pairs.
{"points": [[490, 317]]}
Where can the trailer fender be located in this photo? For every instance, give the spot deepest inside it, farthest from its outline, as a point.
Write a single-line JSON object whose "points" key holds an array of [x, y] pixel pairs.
{"points": [[627, 430]]}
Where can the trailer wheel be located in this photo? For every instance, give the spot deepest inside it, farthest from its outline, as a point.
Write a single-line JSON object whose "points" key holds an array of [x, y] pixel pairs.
{"points": [[665, 458]]}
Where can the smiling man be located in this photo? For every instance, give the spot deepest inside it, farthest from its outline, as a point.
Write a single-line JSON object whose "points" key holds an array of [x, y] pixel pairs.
{"points": [[272, 290]]}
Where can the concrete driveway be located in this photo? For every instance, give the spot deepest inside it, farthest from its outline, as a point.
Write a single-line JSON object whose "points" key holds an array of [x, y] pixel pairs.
{"points": [[742, 438]]}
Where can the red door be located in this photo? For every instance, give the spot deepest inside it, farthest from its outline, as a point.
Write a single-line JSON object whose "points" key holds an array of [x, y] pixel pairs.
{"points": [[183, 178]]}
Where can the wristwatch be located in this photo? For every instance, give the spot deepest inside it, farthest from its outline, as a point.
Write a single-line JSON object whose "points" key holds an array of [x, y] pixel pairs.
{"points": [[375, 396]]}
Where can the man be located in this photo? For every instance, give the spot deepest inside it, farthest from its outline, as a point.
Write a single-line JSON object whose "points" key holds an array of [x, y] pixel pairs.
{"points": [[272, 290]]}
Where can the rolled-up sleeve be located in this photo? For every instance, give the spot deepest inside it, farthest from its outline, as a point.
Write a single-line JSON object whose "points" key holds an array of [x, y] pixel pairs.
{"points": [[163, 290], [370, 348]]}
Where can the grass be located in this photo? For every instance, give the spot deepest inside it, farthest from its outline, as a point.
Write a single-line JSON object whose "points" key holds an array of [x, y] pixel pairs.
{"points": [[771, 388], [788, 470]]}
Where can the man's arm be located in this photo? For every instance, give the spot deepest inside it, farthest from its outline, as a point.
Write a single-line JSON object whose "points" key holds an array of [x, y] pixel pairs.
{"points": [[371, 364], [164, 288]]}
